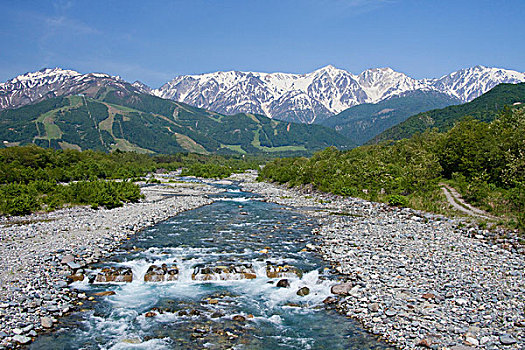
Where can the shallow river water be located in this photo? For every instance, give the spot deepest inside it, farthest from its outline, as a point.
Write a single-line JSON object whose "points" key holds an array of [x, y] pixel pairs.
{"points": [[205, 308]]}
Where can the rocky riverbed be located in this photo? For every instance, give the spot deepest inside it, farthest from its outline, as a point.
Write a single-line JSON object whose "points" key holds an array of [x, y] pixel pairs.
{"points": [[40, 252], [416, 279]]}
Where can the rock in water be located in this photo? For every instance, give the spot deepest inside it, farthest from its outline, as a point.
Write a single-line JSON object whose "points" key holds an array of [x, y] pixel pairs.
{"points": [[115, 274], [284, 283], [303, 291], [103, 294], [342, 288], [46, 322], [276, 271]]}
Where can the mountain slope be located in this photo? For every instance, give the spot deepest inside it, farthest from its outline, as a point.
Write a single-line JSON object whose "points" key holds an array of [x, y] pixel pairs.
{"points": [[110, 117], [316, 96], [484, 108], [361, 123]]}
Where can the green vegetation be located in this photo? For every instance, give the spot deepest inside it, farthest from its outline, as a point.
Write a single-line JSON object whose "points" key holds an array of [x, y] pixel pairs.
{"points": [[485, 108], [110, 119], [484, 161], [361, 123], [34, 178]]}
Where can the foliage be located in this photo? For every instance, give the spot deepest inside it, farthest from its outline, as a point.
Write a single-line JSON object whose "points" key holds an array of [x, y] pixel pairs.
{"points": [[397, 200], [485, 161], [34, 178]]}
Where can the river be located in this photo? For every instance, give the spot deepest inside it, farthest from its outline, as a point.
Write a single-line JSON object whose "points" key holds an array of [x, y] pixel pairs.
{"points": [[219, 295]]}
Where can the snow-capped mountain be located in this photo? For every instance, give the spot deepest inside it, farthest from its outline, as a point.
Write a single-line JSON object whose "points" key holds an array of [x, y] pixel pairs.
{"points": [[293, 97], [322, 93], [467, 84], [47, 83]]}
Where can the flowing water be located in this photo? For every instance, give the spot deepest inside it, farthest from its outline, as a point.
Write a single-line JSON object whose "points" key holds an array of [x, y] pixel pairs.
{"points": [[210, 304]]}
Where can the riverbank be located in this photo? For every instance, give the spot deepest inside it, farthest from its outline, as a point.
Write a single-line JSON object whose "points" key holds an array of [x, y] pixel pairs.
{"points": [[418, 279], [38, 252]]}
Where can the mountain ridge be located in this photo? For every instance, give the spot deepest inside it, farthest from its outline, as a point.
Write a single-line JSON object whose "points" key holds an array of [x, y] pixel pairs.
{"points": [[113, 115], [307, 98], [315, 96]]}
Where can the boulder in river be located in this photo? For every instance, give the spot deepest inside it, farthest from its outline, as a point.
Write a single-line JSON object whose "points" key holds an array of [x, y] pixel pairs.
{"points": [[161, 273], [303, 291], [75, 277], [284, 283], [223, 272], [114, 274], [105, 293], [277, 271]]}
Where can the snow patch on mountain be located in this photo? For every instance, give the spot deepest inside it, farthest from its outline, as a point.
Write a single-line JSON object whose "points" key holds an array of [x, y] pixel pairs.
{"points": [[321, 93]]}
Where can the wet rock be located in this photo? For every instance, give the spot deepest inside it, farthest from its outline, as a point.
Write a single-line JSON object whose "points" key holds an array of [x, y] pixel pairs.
{"points": [[425, 342], [115, 274], [150, 314], [239, 318], [105, 293], [279, 271], [194, 312], [223, 272], [303, 291], [75, 277], [163, 273], [342, 288], [330, 300], [284, 283]]}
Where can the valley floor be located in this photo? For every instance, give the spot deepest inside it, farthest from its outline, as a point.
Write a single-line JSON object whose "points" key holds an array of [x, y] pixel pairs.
{"points": [[418, 280]]}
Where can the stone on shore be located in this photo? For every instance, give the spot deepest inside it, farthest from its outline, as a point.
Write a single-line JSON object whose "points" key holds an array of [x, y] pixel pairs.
{"points": [[342, 288]]}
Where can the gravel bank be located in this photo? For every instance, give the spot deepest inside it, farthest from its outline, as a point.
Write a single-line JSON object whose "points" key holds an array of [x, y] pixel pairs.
{"points": [[38, 252], [416, 279]]}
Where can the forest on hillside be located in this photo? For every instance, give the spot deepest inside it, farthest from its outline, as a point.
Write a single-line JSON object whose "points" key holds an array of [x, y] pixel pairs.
{"points": [[484, 161]]}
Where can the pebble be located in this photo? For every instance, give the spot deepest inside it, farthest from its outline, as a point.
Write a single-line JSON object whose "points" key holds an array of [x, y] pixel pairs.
{"points": [[506, 339]]}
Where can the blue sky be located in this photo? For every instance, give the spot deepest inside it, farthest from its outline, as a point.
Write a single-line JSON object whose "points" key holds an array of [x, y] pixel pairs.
{"points": [[153, 41]]}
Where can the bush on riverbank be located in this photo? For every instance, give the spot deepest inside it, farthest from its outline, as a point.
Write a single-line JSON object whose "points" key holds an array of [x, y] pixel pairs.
{"points": [[485, 161], [21, 199], [31, 178]]}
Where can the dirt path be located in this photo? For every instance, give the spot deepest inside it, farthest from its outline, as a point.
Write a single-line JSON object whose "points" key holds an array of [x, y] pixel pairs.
{"points": [[454, 198]]}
